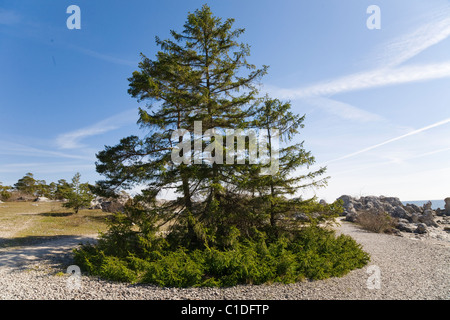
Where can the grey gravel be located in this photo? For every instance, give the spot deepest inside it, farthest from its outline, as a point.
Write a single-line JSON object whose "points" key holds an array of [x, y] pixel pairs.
{"points": [[411, 268]]}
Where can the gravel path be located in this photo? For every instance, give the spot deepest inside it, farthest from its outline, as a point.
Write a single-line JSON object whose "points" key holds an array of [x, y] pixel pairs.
{"points": [[409, 269]]}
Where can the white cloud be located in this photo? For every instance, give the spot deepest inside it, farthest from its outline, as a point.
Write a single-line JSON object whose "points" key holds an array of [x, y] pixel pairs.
{"points": [[369, 79], [392, 54], [8, 17], [425, 36], [72, 140], [104, 57], [10, 148], [46, 167], [414, 132], [343, 110]]}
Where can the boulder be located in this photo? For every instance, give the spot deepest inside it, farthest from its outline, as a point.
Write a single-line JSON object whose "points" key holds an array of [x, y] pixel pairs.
{"points": [[406, 227], [351, 216], [412, 208], [400, 213], [393, 201], [303, 217], [96, 203], [42, 199], [428, 218], [421, 228], [346, 199], [427, 206], [447, 206]]}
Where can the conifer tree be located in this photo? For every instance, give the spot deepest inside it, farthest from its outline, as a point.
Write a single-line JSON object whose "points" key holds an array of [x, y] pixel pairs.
{"points": [[200, 74], [79, 195], [27, 184]]}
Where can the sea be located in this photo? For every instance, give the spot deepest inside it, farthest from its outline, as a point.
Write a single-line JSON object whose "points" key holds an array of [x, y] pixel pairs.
{"points": [[434, 203]]}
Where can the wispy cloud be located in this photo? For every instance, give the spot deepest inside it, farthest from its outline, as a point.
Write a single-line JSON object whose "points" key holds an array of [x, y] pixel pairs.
{"points": [[45, 167], [343, 110], [392, 55], [17, 149], [72, 140], [407, 46], [370, 79], [104, 57], [414, 132], [8, 17]]}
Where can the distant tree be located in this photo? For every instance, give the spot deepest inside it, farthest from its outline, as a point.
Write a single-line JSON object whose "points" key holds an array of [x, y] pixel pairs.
{"points": [[5, 192], [52, 190], [79, 195], [42, 189], [62, 189], [27, 184]]}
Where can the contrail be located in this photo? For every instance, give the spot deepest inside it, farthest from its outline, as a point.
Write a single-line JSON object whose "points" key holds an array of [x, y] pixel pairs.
{"points": [[437, 124]]}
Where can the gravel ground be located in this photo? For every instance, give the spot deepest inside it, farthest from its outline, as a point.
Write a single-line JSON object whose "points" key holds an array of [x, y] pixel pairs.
{"points": [[409, 269]]}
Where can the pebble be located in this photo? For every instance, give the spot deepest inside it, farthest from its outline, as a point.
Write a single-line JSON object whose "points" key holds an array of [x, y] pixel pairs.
{"points": [[408, 270]]}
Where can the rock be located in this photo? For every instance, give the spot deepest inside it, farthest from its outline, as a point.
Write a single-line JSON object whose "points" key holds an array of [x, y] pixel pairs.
{"points": [[415, 218], [399, 212], [387, 207], [346, 199], [42, 199], [412, 208], [406, 227], [96, 203], [421, 228], [351, 216], [427, 206], [395, 202], [447, 206], [428, 218], [302, 217]]}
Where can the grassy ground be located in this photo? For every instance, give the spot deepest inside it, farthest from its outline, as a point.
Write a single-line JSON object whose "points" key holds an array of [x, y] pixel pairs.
{"points": [[24, 223]]}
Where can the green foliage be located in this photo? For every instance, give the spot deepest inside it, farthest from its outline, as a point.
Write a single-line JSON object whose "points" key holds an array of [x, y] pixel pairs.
{"points": [[124, 254], [5, 192], [27, 184], [79, 195], [229, 224]]}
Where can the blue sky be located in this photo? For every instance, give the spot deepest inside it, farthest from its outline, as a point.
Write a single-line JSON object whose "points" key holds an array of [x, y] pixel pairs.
{"points": [[377, 102]]}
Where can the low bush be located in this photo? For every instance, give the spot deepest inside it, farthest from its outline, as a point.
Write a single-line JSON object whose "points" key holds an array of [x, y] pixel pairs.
{"points": [[312, 253], [376, 221]]}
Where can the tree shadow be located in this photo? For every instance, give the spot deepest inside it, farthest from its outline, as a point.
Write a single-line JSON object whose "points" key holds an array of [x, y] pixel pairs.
{"points": [[28, 240], [56, 214], [55, 249]]}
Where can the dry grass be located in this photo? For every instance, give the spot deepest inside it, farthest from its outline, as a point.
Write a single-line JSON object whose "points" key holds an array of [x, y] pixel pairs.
{"points": [[376, 221], [22, 222]]}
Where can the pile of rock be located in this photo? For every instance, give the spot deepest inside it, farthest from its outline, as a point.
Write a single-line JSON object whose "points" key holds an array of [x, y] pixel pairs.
{"points": [[110, 205], [410, 217]]}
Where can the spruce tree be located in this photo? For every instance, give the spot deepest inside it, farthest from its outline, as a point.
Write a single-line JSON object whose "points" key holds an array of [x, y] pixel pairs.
{"points": [[200, 75], [79, 195]]}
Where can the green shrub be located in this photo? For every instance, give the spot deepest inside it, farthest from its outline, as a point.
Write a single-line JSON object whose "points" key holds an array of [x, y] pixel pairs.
{"points": [[314, 253], [176, 269]]}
